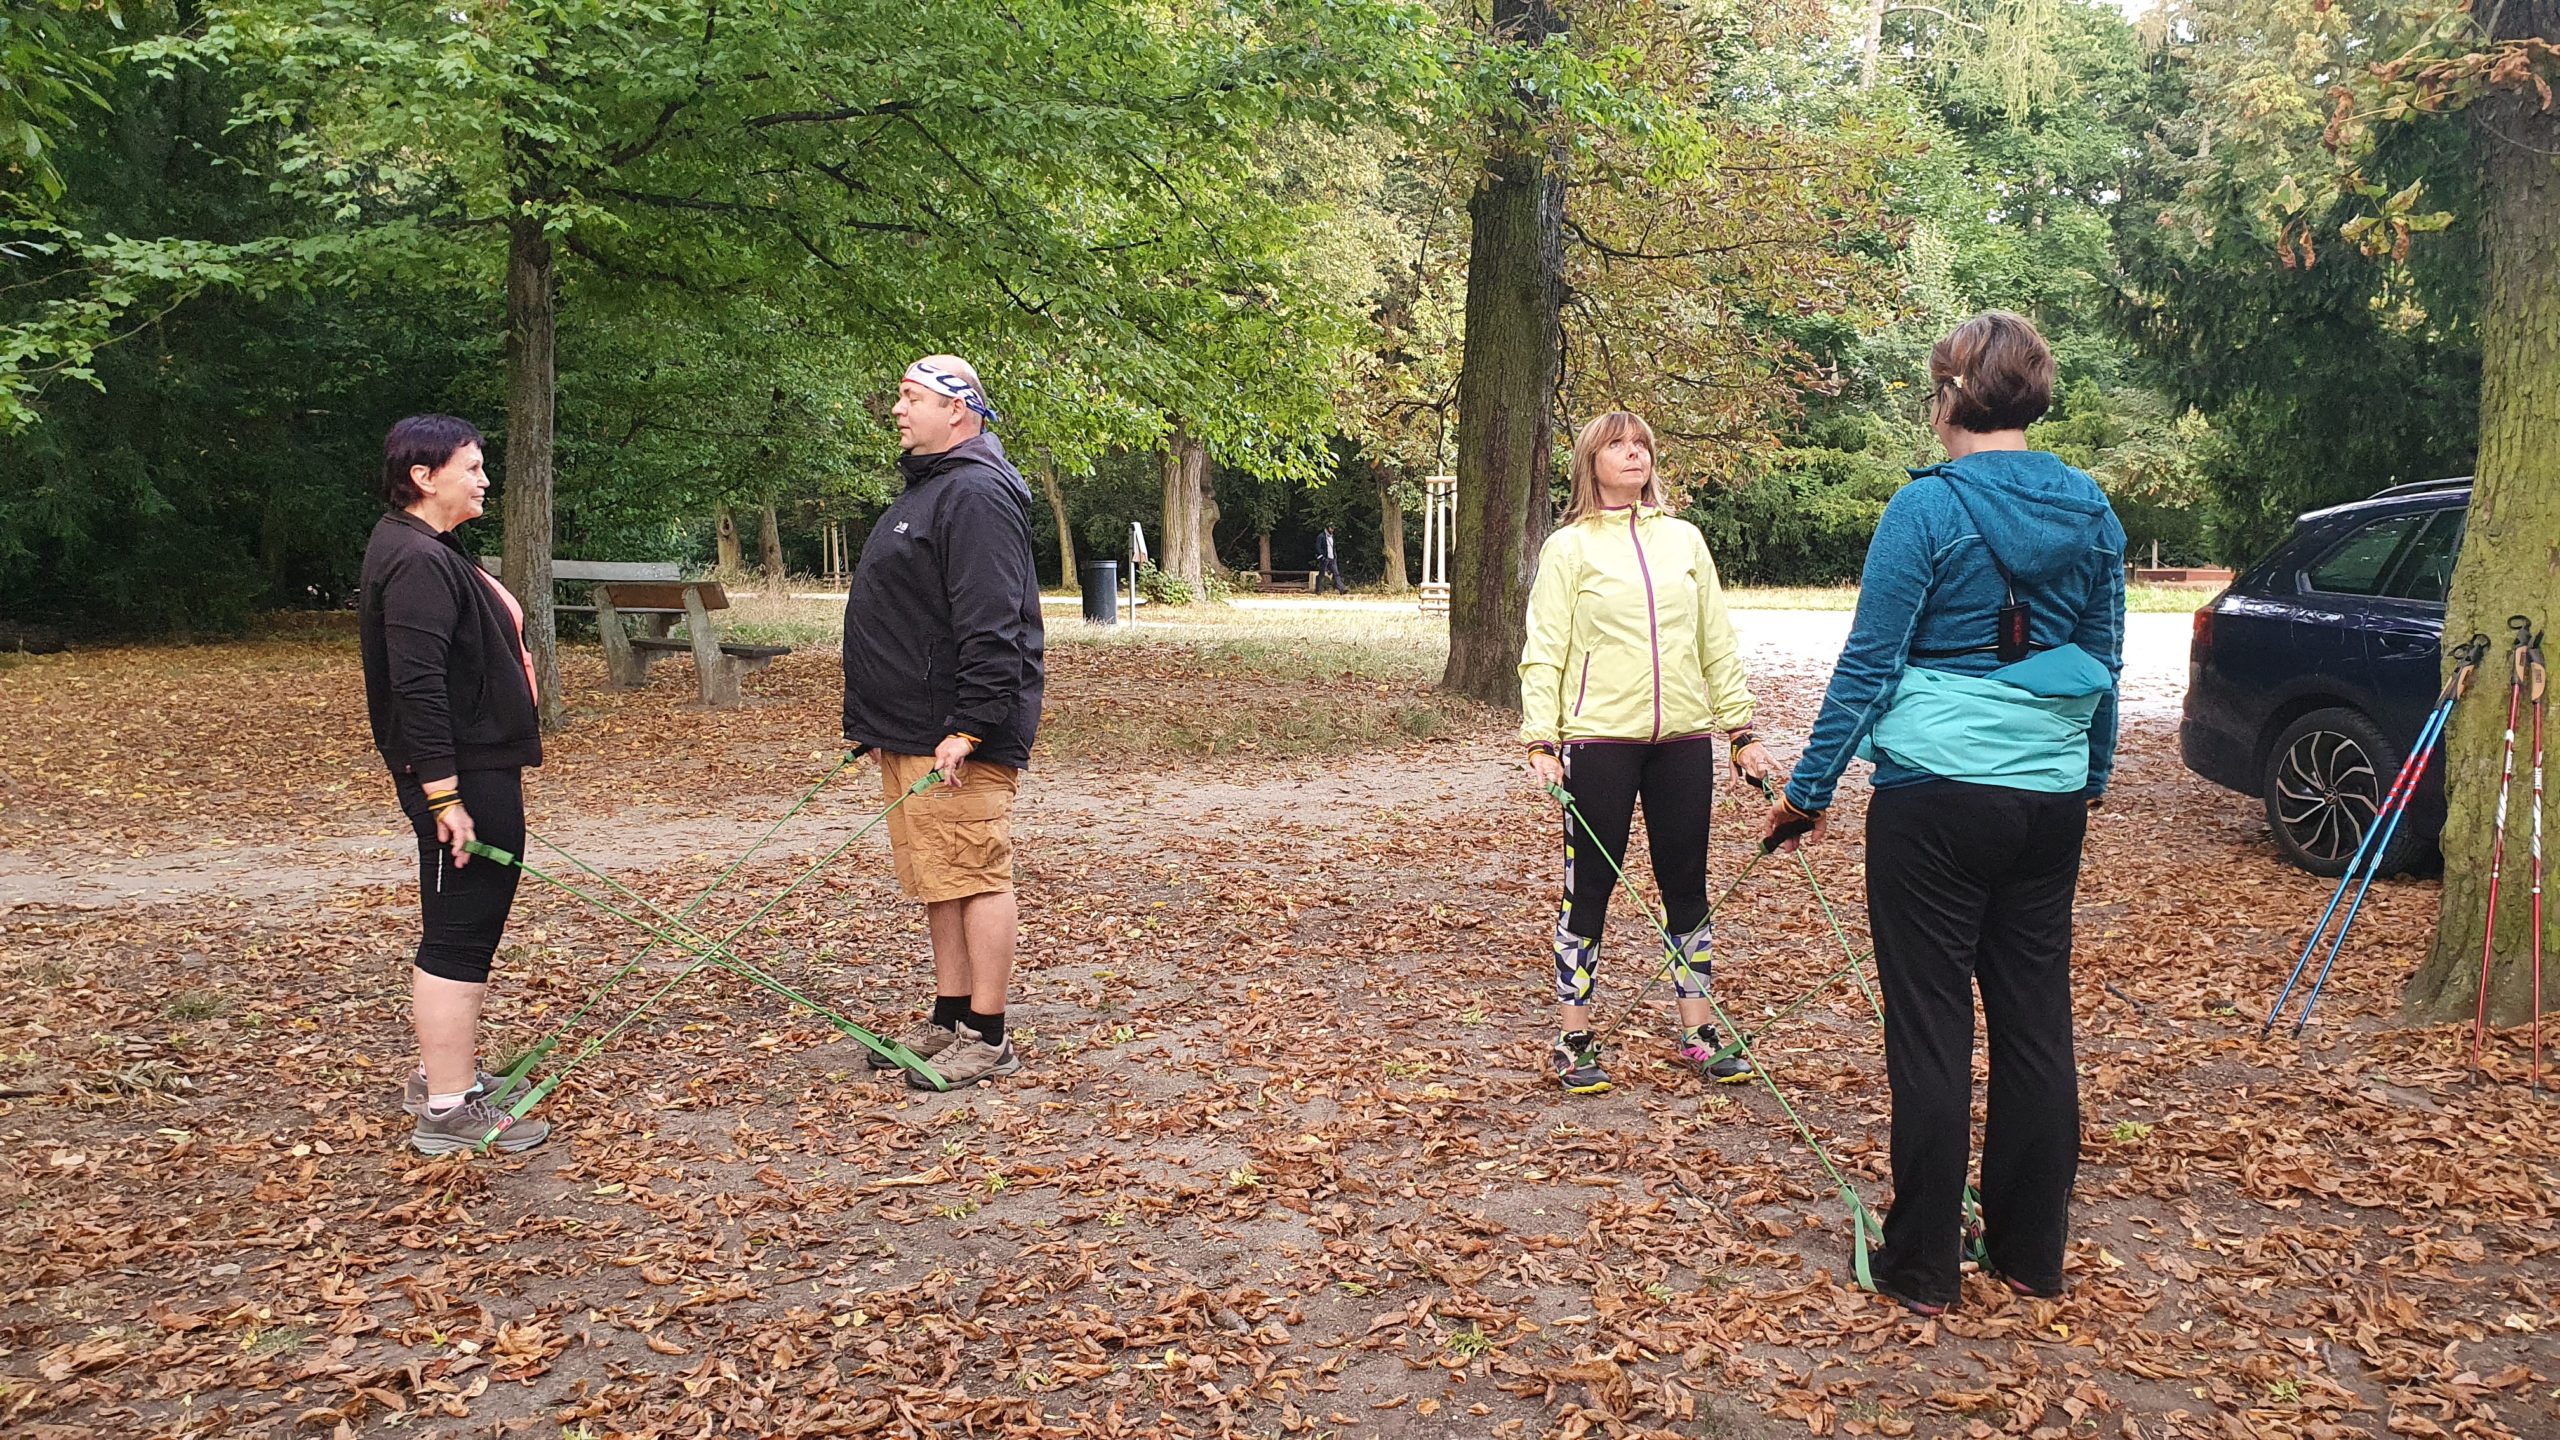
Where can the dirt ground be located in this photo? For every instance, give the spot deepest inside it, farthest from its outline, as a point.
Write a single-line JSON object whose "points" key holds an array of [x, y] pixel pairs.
{"points": [[1281, 1161]]}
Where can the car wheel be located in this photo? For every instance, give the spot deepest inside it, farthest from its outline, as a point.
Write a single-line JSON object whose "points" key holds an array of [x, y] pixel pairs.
{"points": [[2326, 777]]}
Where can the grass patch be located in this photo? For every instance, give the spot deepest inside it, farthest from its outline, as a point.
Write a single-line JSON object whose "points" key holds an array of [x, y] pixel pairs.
{"points": [[196, 1005]]}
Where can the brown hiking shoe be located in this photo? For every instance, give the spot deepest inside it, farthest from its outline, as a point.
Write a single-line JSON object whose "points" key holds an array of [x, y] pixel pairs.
{"points": [[926, 1040], [968, 1060], [466, 1125]]}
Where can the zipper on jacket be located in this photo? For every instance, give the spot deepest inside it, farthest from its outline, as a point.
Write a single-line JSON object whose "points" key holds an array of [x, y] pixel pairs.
{"points": [[1580, 694], [1652, 617]]}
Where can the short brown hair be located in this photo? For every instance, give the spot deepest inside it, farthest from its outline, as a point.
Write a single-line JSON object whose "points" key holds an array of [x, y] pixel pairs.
{"points": [[1598, 434], [1993, 373]]}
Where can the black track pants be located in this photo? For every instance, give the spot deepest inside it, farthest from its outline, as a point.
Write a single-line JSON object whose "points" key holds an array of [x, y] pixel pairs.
{"points": [[1677, 782], [464, 908], [1972, 885]]}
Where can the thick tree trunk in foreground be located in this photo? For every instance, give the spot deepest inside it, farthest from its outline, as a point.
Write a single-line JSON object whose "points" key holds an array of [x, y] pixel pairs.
{"points": [[733, 553], [1506, 390], [1067, 575], [533, 320], [1391, 530], [769, 540], [1187, 512], [2510, 554]]}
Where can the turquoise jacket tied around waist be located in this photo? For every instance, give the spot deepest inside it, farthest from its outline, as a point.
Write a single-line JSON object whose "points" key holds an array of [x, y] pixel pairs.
{"points": [[1918, 689]]}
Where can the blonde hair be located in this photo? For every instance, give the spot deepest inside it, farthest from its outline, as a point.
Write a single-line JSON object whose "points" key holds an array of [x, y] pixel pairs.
{"points": [[1598, 434]]}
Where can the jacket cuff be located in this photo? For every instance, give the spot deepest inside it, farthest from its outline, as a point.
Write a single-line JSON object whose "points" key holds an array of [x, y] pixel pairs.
{"points": [[423, 767]]}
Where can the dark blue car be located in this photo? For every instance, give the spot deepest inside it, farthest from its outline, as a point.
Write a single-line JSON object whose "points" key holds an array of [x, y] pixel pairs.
{"points": [[2311, 676]]}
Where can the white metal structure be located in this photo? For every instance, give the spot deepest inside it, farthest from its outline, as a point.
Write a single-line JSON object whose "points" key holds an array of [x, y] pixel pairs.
{"points": [[1439, 514]]}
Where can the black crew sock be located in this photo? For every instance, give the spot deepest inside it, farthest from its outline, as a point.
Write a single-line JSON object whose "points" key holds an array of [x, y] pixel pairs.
{"points": [[950, 1010], [990, 1028]]}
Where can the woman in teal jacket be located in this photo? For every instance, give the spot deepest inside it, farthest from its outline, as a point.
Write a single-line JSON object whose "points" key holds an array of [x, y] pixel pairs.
{"points": [[1980, 678]]}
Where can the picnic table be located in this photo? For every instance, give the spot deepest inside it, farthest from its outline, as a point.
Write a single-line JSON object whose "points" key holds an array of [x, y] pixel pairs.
{"points": [[655, 594]]}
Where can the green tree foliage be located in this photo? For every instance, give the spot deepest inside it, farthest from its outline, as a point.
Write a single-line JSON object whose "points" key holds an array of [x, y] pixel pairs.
{"points": [[2330, 369]]}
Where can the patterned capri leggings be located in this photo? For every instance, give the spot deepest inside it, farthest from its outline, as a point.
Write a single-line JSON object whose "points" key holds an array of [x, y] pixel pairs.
{"points": [[1677, 781]]}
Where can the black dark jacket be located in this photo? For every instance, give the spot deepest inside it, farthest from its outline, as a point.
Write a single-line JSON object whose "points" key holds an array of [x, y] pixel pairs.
{"points": [[942, 631], [443, 681]]}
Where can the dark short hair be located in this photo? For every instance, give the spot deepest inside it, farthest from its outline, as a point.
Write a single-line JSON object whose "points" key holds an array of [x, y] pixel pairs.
{"points": [[1993, 373], [428, 440]]}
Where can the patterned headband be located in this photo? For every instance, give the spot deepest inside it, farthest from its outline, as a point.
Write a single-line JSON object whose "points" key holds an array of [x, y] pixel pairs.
{"points": [[953, 384]]}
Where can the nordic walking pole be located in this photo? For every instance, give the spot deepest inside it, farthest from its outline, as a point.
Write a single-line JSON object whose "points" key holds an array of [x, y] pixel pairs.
{"points": [[2466, 659], [534, 1054], [2388, 827], [2540, 681], [2523, 629]]}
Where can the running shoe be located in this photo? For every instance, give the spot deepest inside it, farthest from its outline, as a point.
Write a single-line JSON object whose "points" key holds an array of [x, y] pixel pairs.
{"points": [[473, 1123], [1700, 1048], [1575, 1059], [496, 1089]]}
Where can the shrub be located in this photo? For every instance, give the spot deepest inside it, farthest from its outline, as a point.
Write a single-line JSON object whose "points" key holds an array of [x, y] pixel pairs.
{"points": [[1806, 520]]}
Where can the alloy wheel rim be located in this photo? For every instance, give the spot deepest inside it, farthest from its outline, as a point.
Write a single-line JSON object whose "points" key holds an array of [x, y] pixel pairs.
{"points": [[2327, 794]]}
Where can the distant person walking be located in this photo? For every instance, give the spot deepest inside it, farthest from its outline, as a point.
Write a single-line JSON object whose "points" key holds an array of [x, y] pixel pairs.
{"points": [[1629, 685], [449, 689], [1980, 677], [943, 671], [1327, 566]]}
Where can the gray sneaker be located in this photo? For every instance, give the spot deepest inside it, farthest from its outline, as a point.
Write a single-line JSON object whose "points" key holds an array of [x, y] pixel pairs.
{"points": [[927, 1040], [465, 1125], [496, 1089], [968, 1060]]}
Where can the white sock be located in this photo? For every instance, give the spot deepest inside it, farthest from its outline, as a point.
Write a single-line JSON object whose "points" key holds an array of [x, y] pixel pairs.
{"points": [[439, 1104]]}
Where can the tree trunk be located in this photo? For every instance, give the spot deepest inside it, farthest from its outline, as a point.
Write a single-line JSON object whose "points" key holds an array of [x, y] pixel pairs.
{"points": [[1507, 382], [769, 539], [1266, 557], [533, 316], [1067, 573], [2510, 561], [1871, 47], [1210, 564], [1391, 529], [733, 556], [1186, 510]]}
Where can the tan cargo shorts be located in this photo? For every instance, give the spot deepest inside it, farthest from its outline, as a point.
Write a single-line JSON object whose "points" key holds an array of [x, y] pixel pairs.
{"points": [[952, 841]]}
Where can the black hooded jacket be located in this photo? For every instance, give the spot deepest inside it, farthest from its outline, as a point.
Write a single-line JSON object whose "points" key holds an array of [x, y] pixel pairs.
{"points": [[443, 682], [942, 631]]}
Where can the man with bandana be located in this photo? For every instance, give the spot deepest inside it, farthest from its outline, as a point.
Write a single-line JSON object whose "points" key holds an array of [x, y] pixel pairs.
{"points": [[942, 671]]}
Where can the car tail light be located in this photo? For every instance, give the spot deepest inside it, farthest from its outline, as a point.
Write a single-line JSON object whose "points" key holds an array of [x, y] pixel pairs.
{"points": [[2203, 631]]}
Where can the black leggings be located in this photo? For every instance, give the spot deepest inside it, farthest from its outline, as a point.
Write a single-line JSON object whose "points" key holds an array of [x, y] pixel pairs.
{"points": [[464, 908], [1972, 885], [1677, 781]]}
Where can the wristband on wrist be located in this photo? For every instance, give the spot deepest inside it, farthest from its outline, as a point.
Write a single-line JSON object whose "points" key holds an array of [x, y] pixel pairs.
{"points": [[1543, 747], [439, 801], [1741, 738]]}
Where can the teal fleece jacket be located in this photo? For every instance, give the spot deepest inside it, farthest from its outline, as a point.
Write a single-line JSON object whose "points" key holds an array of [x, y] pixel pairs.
{"points": [[1931, 586]]}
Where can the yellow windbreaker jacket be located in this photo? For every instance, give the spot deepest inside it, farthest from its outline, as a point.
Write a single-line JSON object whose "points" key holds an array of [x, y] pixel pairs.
{"points": [[1628, 638]]}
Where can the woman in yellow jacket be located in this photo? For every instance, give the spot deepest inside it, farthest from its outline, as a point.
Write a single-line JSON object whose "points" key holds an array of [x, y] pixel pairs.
{"points": [[1629, 683]]}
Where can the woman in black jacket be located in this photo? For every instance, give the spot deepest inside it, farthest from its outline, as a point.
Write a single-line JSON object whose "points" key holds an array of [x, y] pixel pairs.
{"points": [[449, 687]]}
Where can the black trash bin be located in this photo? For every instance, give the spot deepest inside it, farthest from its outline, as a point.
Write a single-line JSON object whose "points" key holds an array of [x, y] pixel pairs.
{"points": [[1101, 591]]}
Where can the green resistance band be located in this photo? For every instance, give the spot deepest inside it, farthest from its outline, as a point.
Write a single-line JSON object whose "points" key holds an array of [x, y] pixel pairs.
{"points": [[534, 1097], [519, 1066], [1862, 1223]]}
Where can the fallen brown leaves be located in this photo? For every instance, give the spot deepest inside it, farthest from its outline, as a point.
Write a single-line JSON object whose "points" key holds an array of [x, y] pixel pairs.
{"points": [[1281, 1163]]}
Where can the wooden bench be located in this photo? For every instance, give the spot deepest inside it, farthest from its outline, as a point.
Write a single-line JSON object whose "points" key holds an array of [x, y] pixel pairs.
{"points": [[655, 593], [1291, 579], [718, 664]]}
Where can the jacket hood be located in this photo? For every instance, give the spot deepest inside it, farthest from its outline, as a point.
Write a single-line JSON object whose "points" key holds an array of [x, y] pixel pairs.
{"points": [[982, 450], [2038, 515]]}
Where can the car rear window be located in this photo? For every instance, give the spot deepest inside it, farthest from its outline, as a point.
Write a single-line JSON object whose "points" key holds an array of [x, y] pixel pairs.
{"points": [[2359, 564]]}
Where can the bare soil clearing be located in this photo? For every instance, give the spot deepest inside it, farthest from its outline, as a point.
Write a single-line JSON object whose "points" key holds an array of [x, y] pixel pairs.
{"points": [[1281, 1162]]}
